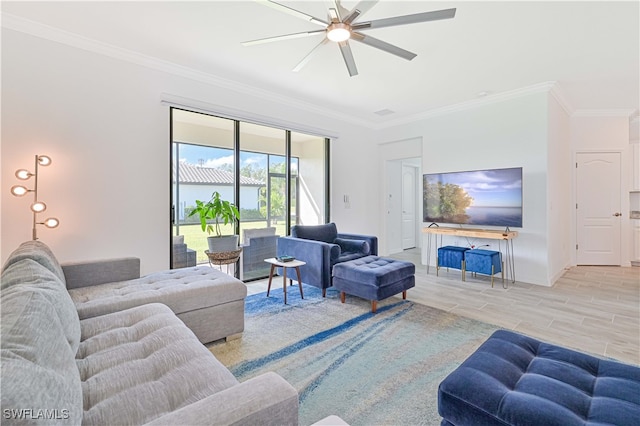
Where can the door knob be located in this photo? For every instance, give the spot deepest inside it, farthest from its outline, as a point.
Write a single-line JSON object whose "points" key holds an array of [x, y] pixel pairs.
{"points": [[617, 214]]}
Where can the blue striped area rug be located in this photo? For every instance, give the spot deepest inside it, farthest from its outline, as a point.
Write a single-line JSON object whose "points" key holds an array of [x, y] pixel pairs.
{"points": [[369, 369]]}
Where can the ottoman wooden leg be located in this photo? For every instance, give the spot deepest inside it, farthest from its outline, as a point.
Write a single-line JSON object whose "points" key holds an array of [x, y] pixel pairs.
{"points": [[343, 296], [404, 294], [374, 306]]}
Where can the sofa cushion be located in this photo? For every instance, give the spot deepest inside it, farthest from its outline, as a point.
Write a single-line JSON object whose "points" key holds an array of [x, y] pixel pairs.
{"points": [[39, 252], [346, 257], [40, 380], [348, 245], [31, 277], [183, 290], [141, 363], [327, 233], [85, 274]]}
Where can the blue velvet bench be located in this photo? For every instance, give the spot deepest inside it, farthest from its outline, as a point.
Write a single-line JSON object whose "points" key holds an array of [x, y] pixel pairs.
{"points": [[513, 379], [486, 262], [451, 257], [374, 278]]}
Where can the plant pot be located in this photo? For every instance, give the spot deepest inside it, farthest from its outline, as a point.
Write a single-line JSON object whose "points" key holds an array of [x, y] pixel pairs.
{"points": [[224, 243]]}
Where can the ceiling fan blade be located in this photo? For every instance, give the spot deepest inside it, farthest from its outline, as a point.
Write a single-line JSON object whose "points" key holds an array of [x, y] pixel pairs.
{"points": [[333, 14], [383, 45], [337, 5], [360, 9], [348, 58], [294, 12], [407, 19], [281, 37], [310, 55]]}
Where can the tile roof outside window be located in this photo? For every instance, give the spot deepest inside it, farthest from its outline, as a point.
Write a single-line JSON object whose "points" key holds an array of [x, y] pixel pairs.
{"points": [[191, 173]]}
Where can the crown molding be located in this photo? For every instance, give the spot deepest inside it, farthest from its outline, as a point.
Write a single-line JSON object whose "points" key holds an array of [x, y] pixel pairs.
{"points": [[50, 33], [558, 95], [627, 113], [475, 103]]}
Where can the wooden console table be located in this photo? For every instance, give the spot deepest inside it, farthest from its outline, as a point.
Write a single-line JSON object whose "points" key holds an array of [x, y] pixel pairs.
{"points": [[492, 234]]}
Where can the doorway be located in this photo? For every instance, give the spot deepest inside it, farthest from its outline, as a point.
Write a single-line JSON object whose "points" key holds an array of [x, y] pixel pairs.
{"points": [[403, 205], [409, 210], [598, 208]]}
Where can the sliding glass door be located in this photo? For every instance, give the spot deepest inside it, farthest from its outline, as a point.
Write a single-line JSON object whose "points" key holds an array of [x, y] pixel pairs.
{"points": [[203, 159], [277, 178]]}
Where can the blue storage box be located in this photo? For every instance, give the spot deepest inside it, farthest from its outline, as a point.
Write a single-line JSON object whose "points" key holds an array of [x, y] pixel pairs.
{"points": [[452, 257], [487, 262]]}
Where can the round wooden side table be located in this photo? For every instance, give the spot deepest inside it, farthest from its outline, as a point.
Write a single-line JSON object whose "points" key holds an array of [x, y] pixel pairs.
{"points": [[284, 265]]}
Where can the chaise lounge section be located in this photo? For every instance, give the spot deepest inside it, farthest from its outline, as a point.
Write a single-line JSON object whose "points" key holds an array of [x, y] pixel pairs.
{"points": [[209, 302]]}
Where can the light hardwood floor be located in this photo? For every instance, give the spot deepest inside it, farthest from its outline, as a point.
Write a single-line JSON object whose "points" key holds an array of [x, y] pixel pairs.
{"points": [[595, 309]]}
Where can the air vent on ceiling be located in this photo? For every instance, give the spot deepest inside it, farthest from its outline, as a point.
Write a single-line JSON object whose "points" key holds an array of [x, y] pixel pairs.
{"points": [[384, 112]]}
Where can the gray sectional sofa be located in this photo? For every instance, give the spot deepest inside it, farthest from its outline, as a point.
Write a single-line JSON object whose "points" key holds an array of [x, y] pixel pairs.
{"points": [[106, 360]]}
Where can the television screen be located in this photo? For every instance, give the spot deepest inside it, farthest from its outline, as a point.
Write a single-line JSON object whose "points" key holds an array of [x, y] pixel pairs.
{"points": [[479, 197]]}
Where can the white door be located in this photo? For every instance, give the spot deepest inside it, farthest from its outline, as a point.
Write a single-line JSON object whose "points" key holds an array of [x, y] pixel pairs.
{"points": [[408, 207], [394, 207], [599, 218]]}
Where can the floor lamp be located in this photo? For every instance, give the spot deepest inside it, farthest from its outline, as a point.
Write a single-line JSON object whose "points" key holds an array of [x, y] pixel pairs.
{"points": [[37, 206]]}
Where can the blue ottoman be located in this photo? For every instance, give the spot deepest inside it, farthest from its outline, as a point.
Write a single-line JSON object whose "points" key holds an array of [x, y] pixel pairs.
{"points": [[513, 379], [451, 257], [487, 262], [374, 278]]}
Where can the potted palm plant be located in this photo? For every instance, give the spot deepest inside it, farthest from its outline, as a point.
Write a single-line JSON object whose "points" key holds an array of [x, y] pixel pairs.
{"points": [[217, 210]]}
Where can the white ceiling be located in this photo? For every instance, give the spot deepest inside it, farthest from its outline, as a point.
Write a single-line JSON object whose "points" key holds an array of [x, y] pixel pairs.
{"points": [[590, 48]]}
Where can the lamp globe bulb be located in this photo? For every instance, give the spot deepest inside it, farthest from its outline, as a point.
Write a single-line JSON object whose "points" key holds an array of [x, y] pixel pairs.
{"points": [[23, 174], [18, 190], [44, 160], [51, 222], [38, 207]]}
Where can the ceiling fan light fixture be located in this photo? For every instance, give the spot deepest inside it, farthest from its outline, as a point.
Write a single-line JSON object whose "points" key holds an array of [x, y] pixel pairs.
{"points": [[339, 32]]}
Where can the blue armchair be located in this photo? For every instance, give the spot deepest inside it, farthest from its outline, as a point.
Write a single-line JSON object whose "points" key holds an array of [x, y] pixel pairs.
{"points": [[321, 247]]}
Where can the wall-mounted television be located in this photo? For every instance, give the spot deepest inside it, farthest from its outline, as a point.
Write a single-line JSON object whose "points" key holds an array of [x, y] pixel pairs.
{"points": [[491, 197]]}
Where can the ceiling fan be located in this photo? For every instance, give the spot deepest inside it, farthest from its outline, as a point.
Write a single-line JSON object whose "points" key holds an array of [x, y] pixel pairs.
{"points": [[341, 27]]}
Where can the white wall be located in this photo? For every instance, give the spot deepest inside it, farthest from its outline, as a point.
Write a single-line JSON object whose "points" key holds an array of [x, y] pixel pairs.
{"points": [[355, 174], [102, 122], [559, 190], [311, 174], [510, 133]]}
